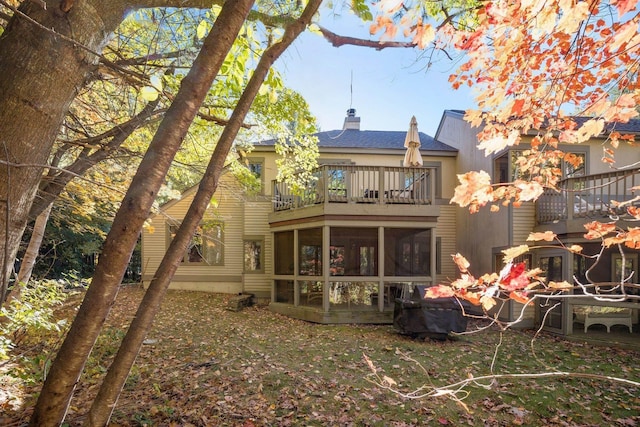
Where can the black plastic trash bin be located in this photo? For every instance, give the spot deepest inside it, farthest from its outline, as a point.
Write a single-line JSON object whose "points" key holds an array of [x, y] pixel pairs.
{"points": [[419, 317]]}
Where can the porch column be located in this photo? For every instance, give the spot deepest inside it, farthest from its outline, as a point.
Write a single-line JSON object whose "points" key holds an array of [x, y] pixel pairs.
{"points": [[296, 269], [381, 268], [326, 236]]}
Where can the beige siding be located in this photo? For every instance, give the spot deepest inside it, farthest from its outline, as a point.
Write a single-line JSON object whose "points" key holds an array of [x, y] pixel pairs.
{"points": [[446, 230], [224, 278], [256, 224], [524, 221], [248, 217]]}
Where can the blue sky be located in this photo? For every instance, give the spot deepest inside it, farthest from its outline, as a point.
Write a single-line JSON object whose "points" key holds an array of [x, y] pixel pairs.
{"points": [[389, 86]]}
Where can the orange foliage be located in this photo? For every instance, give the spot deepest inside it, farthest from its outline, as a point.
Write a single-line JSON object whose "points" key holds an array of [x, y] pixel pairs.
{"points": [[535, 66]]}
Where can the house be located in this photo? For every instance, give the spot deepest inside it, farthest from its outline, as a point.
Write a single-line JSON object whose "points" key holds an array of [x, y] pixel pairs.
{"points": [[586, 194], [366, 227], [338, 252]]}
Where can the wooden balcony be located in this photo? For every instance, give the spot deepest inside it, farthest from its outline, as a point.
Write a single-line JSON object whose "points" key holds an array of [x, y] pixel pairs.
{"points": [[340, 184], [589, 197]]}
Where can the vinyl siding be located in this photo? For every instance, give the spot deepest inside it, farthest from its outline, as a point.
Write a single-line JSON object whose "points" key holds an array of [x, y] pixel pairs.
{"points": [[524, 221], [446, 230], [222, 278], [256, 225]]}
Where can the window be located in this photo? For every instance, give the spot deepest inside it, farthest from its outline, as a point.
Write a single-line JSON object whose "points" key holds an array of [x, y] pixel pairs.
{"points": [[630, 270], [283, 248], [505, 167], [253, 249], [354, 251], [407, 252], [284, 291], [256, 168], [552, 267], [310, 250], [206, 246]]}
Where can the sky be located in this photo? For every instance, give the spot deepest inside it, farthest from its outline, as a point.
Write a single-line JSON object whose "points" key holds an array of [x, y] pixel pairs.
{"points": [[385, 87]]}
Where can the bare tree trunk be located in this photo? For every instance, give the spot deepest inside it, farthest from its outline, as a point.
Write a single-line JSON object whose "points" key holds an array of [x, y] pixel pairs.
{"points": [[31, 254], [111, 388], [65, 371], [40, 73]]}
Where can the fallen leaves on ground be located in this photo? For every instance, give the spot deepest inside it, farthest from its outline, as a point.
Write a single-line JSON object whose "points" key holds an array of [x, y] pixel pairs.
{"points": [[203, 366]]}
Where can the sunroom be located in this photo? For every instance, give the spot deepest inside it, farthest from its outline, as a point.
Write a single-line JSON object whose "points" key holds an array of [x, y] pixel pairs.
{"points": [[344, 251]]}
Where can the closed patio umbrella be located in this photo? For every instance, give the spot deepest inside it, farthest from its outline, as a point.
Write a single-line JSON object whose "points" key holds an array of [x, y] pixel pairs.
{"points": [[412, 143]]}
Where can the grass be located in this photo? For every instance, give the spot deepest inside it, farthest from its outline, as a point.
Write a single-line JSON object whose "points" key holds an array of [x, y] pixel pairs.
{"points": [[209, 366]]}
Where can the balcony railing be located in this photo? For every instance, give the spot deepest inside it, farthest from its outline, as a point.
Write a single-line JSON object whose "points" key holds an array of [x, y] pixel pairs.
{"points": [[359, 184], [590, 196]]}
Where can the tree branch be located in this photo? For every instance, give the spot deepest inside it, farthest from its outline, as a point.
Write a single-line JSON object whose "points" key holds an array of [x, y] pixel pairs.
{"points": [[337, 41]]}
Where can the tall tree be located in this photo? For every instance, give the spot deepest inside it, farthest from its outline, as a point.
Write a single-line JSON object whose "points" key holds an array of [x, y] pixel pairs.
{"points": [[65, 371], [52, 68], [106, 399]]}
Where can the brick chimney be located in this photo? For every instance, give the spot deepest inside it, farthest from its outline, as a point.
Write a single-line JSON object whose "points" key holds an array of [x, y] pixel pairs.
{"points": [[351, 121]]}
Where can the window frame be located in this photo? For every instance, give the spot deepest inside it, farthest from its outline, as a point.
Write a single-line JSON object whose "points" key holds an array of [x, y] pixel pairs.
{"points": [[261, 241], [257, 161], [630, 258], [171, 225]]}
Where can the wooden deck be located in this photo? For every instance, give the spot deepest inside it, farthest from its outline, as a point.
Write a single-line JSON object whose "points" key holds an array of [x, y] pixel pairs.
{"points": [[383, 185], [591, 196]]}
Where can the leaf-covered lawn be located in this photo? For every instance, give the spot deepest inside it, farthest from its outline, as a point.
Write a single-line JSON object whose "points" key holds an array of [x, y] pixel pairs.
{"points": [[204, 365]]}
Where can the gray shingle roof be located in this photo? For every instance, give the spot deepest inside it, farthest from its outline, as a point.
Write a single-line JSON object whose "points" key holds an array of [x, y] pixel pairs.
{"points": [[374, 139]]}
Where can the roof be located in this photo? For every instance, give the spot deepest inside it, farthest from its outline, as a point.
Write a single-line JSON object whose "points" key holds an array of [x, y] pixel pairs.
{"points": [[374, 139]]}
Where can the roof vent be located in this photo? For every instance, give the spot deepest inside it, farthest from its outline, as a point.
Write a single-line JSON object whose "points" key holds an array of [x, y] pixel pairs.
{"points": [[351, 121]]}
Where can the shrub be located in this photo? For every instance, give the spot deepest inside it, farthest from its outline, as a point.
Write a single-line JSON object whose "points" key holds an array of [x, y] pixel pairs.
{"points": [[31, 313]]}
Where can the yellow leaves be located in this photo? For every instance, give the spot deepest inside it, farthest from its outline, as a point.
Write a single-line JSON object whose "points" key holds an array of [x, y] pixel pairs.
{"points": [[564, 285], [202, 29], [529, 190], [474, 189], [499, 141], [512, 253], [315, 29], [591, 128], [388, 381], [474, 117], [576, 249], [370, 364], [487, 302], [544, 22], [424, 34], [627, 35], [547, 236], [461, 262], [149, 93], [573, 13]]}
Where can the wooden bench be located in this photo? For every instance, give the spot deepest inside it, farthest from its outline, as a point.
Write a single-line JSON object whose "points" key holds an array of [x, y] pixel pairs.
{"points": [[608, 318]]}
